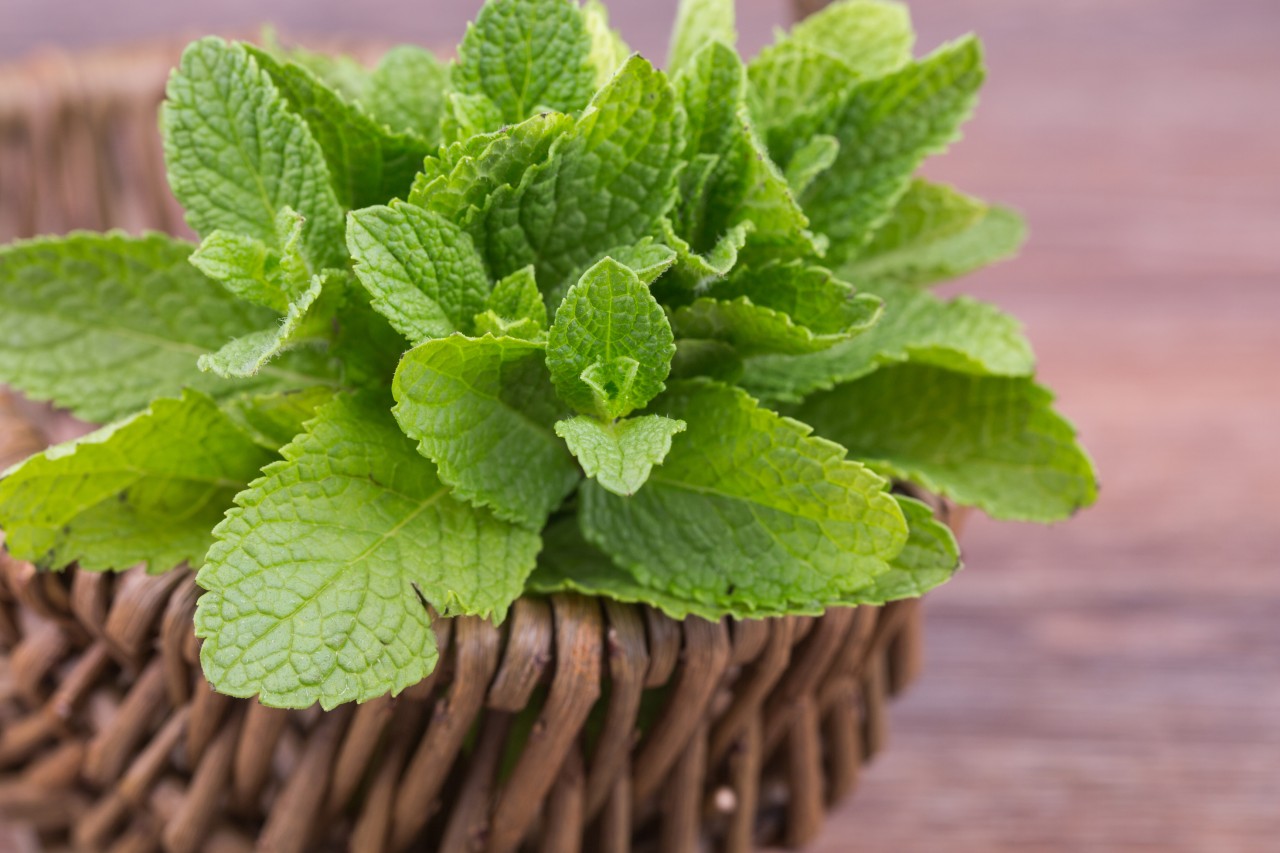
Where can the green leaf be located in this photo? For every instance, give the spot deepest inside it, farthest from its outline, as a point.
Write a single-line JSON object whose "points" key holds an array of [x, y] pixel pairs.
{"points": [[317, 581], [103, 323], [515, 308], [610, 346], [304, 322], [936, 233], [646, 258], [810, 295], [421, 270], [527, 56], [710, 358], [755, 330], [608, 50], [484, 410], [960, 334], [993, 442], [459, 181], [803, 76], [568, 563], [407, 92], [698, 23], [145, 490], [368, 163], [254, 271], [749, 513], [237, 156], [274, 420], [619, 455], [929, 559], [692, 270], [811, 160], [607, 183], [886, 127]]}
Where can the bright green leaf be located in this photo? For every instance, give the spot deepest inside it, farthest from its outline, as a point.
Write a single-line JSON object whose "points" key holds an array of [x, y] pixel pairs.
{"points": [[749, 513], [756, 330], [929, 559], [103, 323], [811, 160], [619, 455], [237, 155], [148, 489], [527, 55], [610, 346], [608, 50], [319, 578], [407, 92], [993, 442], [698, 23], [484, 410], [422, 272]]}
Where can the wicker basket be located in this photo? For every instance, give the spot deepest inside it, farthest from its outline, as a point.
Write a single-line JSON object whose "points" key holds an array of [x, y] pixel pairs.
{"points": [[527, 736]]}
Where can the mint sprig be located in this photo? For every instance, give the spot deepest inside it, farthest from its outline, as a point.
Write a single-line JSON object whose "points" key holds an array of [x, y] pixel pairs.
{"points": [[663, 334]]}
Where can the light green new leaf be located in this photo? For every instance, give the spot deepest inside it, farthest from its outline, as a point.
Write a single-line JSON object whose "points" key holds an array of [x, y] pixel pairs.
{"points": [[255, 271], [811, 160], [526, 56], [368, 163], [749, 513], [608, 50], [407, 92], [619, 455], [607, 183], [698, 23], [274, 420], [457, 183], [101, 324], [960, 334], [305, 321], [756, 330], [647, 259], [422, 272], [610, 346], [466, 116], [237, 155], [936, 233], [886, 127], [515, 308], [148, 489], [993, 442], [811, 295], [484, 410], [319, 579]]}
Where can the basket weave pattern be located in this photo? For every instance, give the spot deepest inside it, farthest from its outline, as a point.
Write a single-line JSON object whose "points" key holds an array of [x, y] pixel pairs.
{"points": [[576, 725]]}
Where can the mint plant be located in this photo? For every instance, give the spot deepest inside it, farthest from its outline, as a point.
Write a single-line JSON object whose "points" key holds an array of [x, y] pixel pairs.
{"points": [[545, 318]]}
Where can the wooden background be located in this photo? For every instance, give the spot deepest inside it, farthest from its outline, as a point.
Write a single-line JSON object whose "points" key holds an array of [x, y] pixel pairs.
{"points": [[1112, 683]]}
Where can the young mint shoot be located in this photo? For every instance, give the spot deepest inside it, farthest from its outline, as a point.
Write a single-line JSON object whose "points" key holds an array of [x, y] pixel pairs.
{"points": [[547, 317]]}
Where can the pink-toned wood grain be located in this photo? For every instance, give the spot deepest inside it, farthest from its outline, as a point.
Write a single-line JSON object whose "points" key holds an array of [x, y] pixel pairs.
{"points": [[1111, 684]]}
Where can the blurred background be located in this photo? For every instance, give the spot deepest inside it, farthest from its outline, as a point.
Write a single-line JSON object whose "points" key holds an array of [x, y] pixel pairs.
{"points": [[1112, 683]]}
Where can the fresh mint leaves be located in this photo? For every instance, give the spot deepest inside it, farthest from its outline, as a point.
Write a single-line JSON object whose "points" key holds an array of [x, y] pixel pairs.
{"points": [[548, 317]]}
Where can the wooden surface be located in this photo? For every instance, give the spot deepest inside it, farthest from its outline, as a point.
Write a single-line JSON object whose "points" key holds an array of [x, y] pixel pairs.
{"points": [[1112, 683]]}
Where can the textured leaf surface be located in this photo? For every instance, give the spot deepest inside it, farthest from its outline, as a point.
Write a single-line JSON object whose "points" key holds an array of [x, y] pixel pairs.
{"points": [[619, 455], [810, 295], [607, 183], [992, 442], [527, 55], [407, 92], [317, 581], [811, 160], [422, 272], [237, 155], [960, 334], [101, 324], [929, 559], [936, 233], [698, 23], [755, 330], [148, 489], [253, 270], [484, 410], [886, 127], [515, 308], [610, 346], [274, 420], [749, 513], [368, 163]]}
